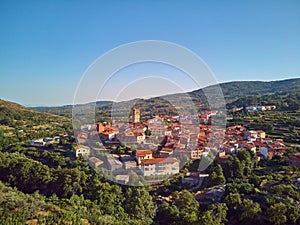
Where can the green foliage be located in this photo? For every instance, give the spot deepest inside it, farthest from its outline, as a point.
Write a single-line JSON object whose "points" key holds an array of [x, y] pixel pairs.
{"points": [[277, 213], [188, 207], [139, 205], [282, 100], [168, 214], [216, 176], [249, 210], [215, 215]]}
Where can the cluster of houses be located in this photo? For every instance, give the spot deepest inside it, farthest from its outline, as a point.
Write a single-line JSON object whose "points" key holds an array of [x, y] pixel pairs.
{"points": [[253, 108], [42, 142], [238, 138], [167, 139]]}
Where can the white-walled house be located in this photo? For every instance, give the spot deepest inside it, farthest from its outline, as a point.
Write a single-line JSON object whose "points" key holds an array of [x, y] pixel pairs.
{"points": [[159, 166], [81, 150]]}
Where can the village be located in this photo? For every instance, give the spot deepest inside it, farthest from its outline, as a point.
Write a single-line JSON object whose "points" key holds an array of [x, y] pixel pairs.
{"points": [[161, 146]]}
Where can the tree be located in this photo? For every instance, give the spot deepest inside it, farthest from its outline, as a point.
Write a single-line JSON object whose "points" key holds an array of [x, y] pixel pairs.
{"points": [[215, 215], [276, 213], [216, 177], [237, 168], [292, 214], [147, 132], [255, 180], [69, 182], [168, 214], [188, 207], [139, 205], [233, 201], [249, 209]]}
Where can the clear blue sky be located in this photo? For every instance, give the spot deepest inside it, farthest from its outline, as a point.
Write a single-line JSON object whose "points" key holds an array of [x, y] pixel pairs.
{"points": [[45, 46]]}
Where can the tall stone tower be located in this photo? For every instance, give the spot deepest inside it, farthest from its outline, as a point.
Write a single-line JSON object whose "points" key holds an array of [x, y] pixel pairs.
{"points": [[136, 115]]}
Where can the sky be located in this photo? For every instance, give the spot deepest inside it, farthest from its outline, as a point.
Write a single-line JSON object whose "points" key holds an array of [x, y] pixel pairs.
{"points": [[46, 47]]}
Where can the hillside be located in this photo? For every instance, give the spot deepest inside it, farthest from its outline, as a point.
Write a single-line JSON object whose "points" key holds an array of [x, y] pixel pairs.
{"points": [[282, 101], [65, 110], [232, 92], [21, 124], [237, 89]]}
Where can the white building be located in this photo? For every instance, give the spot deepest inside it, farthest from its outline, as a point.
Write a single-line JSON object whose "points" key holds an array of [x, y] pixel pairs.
{"points": [[159, 166]]}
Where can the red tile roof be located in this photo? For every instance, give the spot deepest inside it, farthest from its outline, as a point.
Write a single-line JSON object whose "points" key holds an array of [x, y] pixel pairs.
{"points": [[77, 147], [142, 153], [159, 160]]}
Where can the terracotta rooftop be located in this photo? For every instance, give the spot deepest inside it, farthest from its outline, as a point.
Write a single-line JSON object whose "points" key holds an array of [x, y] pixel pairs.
{"points": [[142, 153], [77, 147], [158, 160]]}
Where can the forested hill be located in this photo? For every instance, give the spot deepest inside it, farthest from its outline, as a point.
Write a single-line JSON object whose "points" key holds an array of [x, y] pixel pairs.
{"points": [[13, 115], [19, 124], [282, 101], [232, 91], [238, 89]]}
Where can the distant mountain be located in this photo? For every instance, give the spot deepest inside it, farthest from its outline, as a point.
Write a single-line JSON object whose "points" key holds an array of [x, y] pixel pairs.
{"points": [[66, 110], [232, 91]]}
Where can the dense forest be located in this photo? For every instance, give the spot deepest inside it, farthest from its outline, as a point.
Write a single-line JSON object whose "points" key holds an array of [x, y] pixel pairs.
{"points": [[31, 191]]}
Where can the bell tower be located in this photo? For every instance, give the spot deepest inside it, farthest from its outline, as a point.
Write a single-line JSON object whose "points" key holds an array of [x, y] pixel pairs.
{"points": [[136, 115]]}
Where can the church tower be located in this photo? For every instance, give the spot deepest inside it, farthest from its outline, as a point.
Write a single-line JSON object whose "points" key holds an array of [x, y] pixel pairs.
{"points": [[136, 114]]}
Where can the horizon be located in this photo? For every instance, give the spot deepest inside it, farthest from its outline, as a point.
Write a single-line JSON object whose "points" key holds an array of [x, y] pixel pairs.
{"points": [[103, 100], [47, 47]]}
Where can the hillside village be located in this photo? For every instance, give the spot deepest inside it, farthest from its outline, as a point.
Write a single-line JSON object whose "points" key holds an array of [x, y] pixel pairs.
{"points": [[161, 145]]}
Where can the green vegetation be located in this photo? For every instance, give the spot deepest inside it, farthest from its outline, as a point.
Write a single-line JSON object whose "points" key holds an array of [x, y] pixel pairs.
{"points": [[19, 125], [278, 124], [47, 185], [235, 94], [282, 101], [68, 194]]}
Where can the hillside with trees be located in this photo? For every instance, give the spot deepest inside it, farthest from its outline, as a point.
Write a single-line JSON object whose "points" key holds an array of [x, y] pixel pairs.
{"points": [[235, 93], [282, 101], [19, 124], [49, 185]]}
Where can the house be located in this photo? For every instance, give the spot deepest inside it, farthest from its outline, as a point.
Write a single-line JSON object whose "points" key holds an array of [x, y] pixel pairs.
{"points": [[122, 179], [229, 149], [251, 135], [262, 148], [159, 166], [128, 161], [157, 131], [107, 135], [261, 134], [95, 162], [196, 153], [166, 152], [81, 135], [143, 154], [37, 143], [249, 145], [140, 137], [113, 162], [278, 148], [131, 137], [81, 150]]}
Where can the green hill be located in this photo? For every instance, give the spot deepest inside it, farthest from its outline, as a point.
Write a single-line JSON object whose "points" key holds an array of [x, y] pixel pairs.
{"points": [[232, 92], [237, 89], [282, 101], [19, 124]]}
